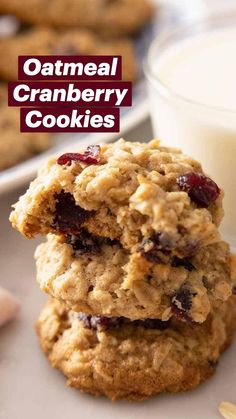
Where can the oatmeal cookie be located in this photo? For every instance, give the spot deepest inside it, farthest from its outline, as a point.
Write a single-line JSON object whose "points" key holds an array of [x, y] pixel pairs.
{"points": [[133, 360], [101, 278], [154, 200], [43, 41], [106, 17], [14, 145]]}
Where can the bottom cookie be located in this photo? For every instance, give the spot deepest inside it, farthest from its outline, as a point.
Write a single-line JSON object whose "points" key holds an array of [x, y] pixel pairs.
{"points": [[133, 360]]}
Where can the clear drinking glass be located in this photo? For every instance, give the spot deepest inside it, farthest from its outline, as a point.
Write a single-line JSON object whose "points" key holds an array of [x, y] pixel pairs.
{"points": [[204, 132]]}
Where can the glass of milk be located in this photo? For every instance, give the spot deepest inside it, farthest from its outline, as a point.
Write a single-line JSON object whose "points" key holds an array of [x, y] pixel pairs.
{"points": [[191, 74]]}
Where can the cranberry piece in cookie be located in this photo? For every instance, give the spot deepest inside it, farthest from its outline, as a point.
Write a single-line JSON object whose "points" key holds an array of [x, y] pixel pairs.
{"points": [[102, 322], [184, 262], [90, 156], [83, 243], [201, 189], [68, 216], [153, 324], [181, 314], [181, 304], [183, 299], [99, 322], [157, 248]]}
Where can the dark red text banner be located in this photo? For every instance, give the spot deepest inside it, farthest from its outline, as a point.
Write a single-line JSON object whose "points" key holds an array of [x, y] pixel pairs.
{"points": [[70, 94], [61, 67], [69, 120]]}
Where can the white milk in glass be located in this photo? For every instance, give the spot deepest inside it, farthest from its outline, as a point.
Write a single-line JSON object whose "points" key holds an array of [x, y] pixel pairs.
{"points": [[193, 107]]}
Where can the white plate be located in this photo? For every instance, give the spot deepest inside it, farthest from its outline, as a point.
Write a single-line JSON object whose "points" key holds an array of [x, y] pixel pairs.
{"points": [[171, 11], [31, 389]]}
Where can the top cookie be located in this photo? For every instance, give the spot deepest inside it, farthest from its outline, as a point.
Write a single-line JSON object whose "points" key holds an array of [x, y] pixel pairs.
{"points": [[45, 41], [110, 18], [151, 199]]}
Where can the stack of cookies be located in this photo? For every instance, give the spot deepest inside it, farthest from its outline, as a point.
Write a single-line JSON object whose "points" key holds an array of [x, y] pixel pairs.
{"points": [[63, 27], [140, 281]]}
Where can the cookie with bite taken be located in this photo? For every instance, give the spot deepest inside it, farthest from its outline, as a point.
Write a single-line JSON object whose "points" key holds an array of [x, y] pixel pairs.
{"points": [[153, 200]]}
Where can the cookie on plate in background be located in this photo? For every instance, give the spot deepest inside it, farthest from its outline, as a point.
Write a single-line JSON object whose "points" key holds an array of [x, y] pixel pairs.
{"points": [[108, 18], [14, 145], [43, 41]]}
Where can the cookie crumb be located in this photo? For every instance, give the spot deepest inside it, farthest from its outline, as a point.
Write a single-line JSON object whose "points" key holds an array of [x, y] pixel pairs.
{"points": [[228, 410]]}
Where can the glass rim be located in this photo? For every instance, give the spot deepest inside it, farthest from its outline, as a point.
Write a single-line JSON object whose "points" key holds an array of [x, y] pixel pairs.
{"points": [[218, 20]]}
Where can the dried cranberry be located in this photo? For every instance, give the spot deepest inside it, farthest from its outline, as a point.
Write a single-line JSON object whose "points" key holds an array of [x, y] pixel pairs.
{"points": [[176, 262], [183, 297], [234, 290], [163, 241], [201, 189], [102, 322], [99, 322], [156, 256], [157, 248], [84, 242], [90, 156], [182, 303], [152, 324], [68, 215], [190, 249], [86, 319], [181, 314]]}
